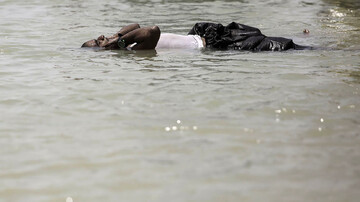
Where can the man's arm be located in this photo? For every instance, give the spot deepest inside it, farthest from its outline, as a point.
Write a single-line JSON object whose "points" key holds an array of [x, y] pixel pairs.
{"points": [[145, 38], [127, 29], [123, 31]]}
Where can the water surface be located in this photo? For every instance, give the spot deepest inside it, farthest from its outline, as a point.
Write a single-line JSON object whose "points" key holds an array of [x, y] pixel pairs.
{"points": [[172, 125]]}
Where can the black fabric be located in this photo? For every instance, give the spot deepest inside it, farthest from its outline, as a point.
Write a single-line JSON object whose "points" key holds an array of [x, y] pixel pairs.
{"points": [[241, 37]]}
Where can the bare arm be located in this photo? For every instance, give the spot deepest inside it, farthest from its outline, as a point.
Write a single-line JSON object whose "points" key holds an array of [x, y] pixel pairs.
{"points": [[112, 43], [145, 38], [127, 29]]}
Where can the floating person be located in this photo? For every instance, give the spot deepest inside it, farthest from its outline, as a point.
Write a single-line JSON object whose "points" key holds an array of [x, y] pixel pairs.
{"points": [[234, 36]]}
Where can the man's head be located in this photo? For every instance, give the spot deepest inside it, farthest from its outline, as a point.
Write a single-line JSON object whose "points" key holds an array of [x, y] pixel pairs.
{"points": [[90, 43], [102, 42]]}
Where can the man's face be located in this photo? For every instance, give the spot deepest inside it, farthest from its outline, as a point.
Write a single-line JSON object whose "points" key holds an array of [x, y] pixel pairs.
{"points": [[103, 42]]}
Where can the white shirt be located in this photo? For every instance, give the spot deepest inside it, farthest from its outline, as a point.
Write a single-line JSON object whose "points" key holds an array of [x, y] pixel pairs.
{"points": [[176, 41]]}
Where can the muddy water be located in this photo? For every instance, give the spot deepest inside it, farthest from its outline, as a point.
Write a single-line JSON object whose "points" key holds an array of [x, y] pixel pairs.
{"points": [[178, 125]]}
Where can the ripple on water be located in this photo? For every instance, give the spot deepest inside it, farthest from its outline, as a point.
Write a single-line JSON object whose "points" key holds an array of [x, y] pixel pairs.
{"points": [[198, 125]]}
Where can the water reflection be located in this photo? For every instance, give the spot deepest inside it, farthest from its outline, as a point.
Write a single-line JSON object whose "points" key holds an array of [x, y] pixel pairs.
{"points": [[146, 54], [351, 76], [249, 121], [182, 1], [342, 19], [351, 4]]}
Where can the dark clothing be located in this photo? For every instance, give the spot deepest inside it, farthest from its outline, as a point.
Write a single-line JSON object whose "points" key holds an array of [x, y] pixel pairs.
{"points": [[241, 37]]}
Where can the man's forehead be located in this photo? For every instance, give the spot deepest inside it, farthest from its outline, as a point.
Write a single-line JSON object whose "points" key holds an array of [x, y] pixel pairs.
{"points": [[91, 43]]}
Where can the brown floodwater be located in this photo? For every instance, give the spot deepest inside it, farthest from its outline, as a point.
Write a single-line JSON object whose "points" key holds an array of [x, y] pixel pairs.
{"points": [[170, 125]]}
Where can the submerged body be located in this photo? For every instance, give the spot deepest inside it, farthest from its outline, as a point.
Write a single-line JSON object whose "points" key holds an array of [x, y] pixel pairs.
{"points": [[234, 36]]}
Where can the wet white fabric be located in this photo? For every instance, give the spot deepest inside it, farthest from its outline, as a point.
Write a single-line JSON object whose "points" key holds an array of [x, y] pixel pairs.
{"points": [[176, 41], [199, 41]]}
